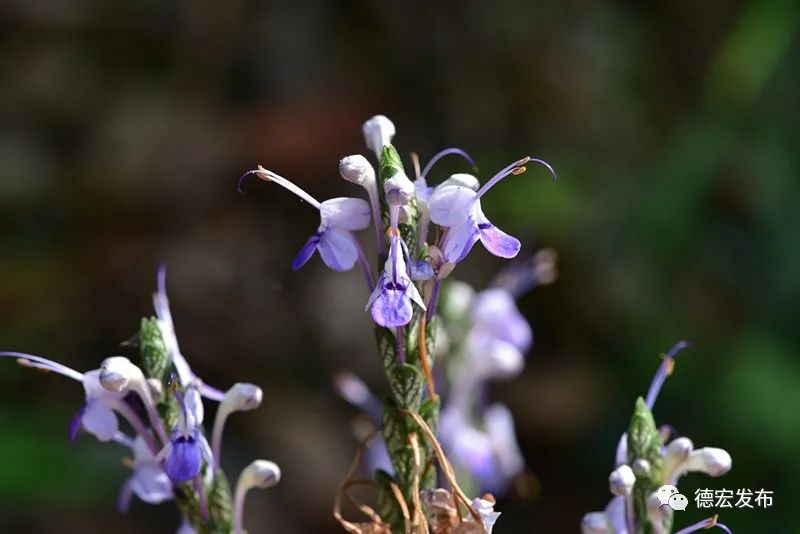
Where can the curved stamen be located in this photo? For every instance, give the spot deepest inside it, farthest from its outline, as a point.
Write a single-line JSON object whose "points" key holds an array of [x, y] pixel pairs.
{"points": [[517, 167], [37, 362], [664, 370], [442, 153], [711, 522], [269, 176]]}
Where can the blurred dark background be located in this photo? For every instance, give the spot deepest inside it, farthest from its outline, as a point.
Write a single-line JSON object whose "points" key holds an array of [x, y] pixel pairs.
{"points": [[123, 129]]}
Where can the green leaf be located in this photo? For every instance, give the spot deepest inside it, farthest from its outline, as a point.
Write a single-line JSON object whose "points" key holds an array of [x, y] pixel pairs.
{"points": [[155, 357], [220, 503], [388, 508], [387, 347], [406, 383]]}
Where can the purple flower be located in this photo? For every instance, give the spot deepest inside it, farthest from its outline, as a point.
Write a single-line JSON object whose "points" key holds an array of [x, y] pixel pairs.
{"points": [[495, 314], [97, 414], [187, 448], [149, 482], [339, 218], [489, 453], [391, 299], [334, 238], [457, 207]]}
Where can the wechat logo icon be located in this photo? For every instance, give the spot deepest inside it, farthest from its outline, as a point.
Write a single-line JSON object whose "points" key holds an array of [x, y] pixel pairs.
{"points": [[669, 496]]}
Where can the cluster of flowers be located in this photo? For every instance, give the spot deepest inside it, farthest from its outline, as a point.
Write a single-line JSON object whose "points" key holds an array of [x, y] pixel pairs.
{"points": [[422, 232], [646, 463], [482, 337], [162, 403]]}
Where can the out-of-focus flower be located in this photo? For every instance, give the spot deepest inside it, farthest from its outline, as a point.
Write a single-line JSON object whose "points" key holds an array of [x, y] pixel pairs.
{"points": [[149, 482]]}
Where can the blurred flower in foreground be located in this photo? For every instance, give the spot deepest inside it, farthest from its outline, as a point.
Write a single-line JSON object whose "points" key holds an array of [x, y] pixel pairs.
{"points": [[163, 394], [644, 464]]}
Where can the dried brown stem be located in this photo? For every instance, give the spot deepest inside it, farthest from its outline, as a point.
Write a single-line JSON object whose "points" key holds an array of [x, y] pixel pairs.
{"points": [[447, 469]]}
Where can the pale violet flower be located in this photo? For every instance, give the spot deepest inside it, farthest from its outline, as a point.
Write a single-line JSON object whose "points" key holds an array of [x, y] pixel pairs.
{"points": [[490, 454], [97, 415], [339, 218], [458, 208], [149, 482], [390, 301], [495, 314]]}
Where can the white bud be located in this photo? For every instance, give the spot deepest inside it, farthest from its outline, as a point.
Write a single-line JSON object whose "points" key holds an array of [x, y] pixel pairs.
{"points": [[463, 180], [709, 460], [117, 373], [679, 449], [378, 132], [595, 523], [242, 397], [621, 481], [357, 169], [399, 189], [261, 474]]}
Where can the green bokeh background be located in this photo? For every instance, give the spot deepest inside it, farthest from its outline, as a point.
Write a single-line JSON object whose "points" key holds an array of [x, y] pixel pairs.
{"points": [[123, 129]]}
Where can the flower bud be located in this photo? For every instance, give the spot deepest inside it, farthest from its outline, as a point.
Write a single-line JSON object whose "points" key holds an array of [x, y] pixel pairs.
{"points": [[399, 189], [709, 460], [357, 169], [260, 474], [378, 132], [621, 481], [117, 373], [463, 180], [678, 451], [242, 397]]}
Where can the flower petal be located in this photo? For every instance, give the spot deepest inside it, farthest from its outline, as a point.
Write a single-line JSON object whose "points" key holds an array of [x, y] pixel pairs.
{"points": [[392, 308], [100, 421], [151, 484], [75, 423], [306, 252], [338, 249], [459, 241], [462, 179], [498, 242], [383, 280], [184, 459], [492, 357], [451, 205], [345, 213], [194, 406], [499, 425], [495, 312]]}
